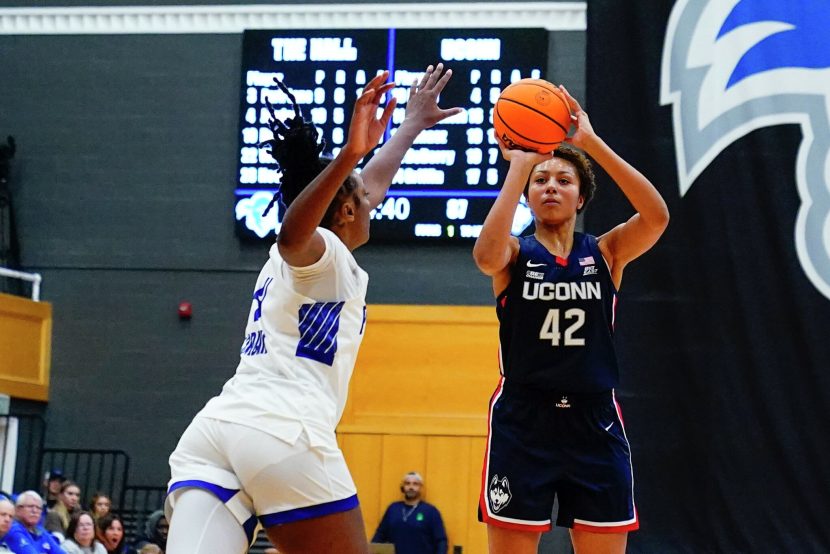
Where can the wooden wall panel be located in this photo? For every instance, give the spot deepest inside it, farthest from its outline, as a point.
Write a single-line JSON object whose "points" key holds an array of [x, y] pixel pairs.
{"points": [[424, 370], [362, 453], [476, 537], [418, 402], [451, 467], [25, 347], [448, 470]]}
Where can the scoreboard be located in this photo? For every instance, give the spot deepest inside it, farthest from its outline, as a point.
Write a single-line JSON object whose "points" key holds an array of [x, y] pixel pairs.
{"points": [[449, 178]]}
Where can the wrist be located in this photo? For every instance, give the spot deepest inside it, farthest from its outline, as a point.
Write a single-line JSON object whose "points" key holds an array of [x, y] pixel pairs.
{"points": [[410, 127], [351, 154], [591, 143], [522, 164]]}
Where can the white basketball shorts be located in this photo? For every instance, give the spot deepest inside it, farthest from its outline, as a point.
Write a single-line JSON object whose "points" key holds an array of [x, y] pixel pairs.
{"points": [[259, 476]]}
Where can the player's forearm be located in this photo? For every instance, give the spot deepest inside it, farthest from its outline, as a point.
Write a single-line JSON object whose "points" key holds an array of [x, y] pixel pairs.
{"points": [[381, 169], [492, 248], [637, 188]]}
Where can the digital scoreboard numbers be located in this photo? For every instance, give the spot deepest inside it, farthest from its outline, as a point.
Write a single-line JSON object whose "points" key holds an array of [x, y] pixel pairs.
{"points": [[449, 178]]}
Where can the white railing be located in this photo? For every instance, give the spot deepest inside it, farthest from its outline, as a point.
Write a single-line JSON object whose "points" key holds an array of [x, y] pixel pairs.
{"points": [[34, 278]]}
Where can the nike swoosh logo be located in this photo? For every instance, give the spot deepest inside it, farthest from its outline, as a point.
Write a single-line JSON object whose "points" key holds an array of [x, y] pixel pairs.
{"points": [[611, 425], [531, 264]]}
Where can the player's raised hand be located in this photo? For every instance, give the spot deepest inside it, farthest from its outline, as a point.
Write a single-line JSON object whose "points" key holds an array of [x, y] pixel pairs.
{"points": [[584, 132], [366, 128], [519, 156], [422, 108]]}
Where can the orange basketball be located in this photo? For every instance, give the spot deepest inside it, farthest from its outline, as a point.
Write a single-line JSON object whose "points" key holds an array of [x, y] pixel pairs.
{"points": [[532, 114]]}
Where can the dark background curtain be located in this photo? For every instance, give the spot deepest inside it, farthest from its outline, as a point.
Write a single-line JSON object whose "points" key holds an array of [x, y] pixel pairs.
{"points": [[724, 341]]}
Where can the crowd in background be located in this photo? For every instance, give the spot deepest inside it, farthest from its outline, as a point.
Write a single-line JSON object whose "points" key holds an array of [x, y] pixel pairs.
{"points": [[58, 522]]}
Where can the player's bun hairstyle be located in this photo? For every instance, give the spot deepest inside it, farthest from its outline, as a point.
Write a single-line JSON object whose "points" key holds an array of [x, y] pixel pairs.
{"points": [[584, 170], [297, 148]]}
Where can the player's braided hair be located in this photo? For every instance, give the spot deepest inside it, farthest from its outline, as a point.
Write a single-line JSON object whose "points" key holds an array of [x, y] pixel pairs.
{"points": [[297, 148]]}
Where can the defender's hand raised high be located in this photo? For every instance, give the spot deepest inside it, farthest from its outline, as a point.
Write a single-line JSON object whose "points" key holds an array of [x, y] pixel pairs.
{"points": [[422, 110], [366, 128]]}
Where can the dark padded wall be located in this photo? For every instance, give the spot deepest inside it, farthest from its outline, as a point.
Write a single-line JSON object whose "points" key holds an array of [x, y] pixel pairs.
{"points": [[123, 187], [723, 336], [122, 195]]}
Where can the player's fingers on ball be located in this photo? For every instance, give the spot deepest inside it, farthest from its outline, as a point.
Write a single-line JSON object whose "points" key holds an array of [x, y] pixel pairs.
{"points": [[573, 104], [499, 141], [571, 100]]}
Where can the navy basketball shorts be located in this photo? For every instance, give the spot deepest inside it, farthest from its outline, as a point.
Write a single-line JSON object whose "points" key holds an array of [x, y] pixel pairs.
{"points": [[544, 445]]}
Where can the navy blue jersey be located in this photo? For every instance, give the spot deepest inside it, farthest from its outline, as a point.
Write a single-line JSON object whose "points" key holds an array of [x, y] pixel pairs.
{"points": [[556, 319]]}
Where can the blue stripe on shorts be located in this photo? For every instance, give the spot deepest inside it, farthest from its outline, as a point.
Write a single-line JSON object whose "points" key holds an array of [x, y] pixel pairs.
{"points": [[222, 494], [309, 512]]}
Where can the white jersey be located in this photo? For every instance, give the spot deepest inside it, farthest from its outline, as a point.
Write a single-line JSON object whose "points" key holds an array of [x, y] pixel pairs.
{"points": [[303, 334]]}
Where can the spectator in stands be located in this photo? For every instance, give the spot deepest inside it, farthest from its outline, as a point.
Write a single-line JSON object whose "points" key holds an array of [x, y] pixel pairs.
{"points": [[155, 531], [412, 525], [69, 503], [26, 535], [109, 530], [150, 548], [52, 486], [80, 536], [6, 519], [100, 505]]}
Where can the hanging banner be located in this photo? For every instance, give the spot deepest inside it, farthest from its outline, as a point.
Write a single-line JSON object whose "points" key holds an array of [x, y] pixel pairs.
{"points": [[723, 327]]}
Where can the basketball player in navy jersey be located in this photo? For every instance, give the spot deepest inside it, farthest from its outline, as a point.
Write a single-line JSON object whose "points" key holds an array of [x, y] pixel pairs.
{"points": [[555, 427], [264, 451]]}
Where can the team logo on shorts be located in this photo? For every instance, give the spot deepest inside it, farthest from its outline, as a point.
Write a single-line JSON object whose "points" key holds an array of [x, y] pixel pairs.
{"points": [[499, 493]]}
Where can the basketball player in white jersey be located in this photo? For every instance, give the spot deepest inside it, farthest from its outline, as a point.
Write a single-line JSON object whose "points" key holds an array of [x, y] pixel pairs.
{"points": [[264, 450]]}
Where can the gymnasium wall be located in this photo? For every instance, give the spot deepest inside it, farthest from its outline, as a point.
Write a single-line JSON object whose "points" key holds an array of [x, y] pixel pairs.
{"points": [[123, 192], [405, 411]]}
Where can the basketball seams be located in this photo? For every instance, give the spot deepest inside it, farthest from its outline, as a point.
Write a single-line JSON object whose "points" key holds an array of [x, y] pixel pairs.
{"points": [[527, 106], [556, 92], [543, 114], [520, 135], [530, 83]]}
